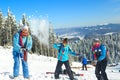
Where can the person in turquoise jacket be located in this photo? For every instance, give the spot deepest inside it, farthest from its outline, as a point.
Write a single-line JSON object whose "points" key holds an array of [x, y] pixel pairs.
{"points": [[63, 58], [100, 58], [22, 44]]}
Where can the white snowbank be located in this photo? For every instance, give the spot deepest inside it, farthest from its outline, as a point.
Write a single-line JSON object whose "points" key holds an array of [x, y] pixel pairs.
{"points": [[39, 65]]}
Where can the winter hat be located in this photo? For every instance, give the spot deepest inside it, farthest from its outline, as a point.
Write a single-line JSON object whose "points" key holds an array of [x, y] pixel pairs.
{"points": [[24, 27], [97, 43], [96, 40]]}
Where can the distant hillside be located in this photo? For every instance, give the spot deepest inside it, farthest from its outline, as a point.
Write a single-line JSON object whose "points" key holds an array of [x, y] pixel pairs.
{"points": [[89, 31]]}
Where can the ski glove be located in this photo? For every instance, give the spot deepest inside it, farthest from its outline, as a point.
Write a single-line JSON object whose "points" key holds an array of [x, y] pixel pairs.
{"points": [[21, 55], [94, 62], [23, 49]]}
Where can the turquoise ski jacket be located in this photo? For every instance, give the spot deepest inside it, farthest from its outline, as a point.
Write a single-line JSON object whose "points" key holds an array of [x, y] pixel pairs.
{"points": [[63, 52]]}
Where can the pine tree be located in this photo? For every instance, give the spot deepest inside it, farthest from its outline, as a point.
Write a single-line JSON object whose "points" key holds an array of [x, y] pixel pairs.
{"points": [[1, 19], [52, 38], [10, 27], [24, 20], [1, 26]]}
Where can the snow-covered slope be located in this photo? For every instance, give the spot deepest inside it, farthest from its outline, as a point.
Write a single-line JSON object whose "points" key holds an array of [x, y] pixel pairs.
{"points": [[39, 65]]}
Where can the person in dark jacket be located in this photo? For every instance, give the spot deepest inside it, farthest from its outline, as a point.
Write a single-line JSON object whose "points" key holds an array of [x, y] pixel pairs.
{"points": [[63, 58], [100, 57], [84, 62]]}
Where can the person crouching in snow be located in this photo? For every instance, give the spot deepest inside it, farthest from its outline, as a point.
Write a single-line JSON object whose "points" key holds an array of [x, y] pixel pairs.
{"points": [[63, 50], [22, 43]]}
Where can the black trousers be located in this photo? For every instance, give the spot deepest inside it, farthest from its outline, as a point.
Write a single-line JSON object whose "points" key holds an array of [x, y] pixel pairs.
{"points": [[68, 69], [100, 70], [84, 66]]}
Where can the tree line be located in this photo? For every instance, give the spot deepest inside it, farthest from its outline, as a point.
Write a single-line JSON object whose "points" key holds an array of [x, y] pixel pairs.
{"points": [[9, 26], [83, 47]]}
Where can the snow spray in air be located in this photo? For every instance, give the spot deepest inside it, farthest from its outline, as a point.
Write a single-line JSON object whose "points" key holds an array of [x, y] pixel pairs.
{"points": [[40, 28]]}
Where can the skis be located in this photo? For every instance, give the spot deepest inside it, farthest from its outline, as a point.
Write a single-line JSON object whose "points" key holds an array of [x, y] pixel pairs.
{"points": [[78, 74], [66, 74], [49, 72], [79, 67]]}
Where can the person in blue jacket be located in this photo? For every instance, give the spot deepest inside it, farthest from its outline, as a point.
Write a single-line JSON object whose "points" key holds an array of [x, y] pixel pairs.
{"points": [[63, 58], [84, 62], [100, 56], [22, 44]]}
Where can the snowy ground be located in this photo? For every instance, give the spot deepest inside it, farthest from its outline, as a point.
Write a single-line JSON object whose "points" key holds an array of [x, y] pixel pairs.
{"points": [[39, 65]]}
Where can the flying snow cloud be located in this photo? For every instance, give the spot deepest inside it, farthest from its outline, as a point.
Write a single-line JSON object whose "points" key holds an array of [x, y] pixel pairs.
{"points": [[40, 28]]}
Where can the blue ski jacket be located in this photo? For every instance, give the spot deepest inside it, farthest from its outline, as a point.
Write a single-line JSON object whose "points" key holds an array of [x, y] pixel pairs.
{"points": [[103, 52], [63, 51], [84, 61], [16, 42]]}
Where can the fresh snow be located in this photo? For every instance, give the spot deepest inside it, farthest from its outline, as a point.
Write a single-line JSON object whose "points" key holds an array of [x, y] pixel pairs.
{"points": [[39, 65], [72, 35], [109, 33]]}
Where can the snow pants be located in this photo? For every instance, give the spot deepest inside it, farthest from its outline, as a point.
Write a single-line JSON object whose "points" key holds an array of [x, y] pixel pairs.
{"points": [[84, 66], [100, 70], [17, 57], [68, 69]]}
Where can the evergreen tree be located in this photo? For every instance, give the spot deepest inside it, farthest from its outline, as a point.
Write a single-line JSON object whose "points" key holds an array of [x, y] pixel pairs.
{"points": [[24, 20], [1, 26], [10, 27], [51, 40]]}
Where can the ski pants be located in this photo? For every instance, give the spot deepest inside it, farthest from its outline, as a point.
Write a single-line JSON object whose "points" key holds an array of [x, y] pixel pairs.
{"points": [[68, 69], [84, 66], [100, 70], [17, 57]]}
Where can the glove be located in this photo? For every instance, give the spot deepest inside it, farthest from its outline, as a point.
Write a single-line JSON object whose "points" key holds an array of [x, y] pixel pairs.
{"points": [[21, 55], [23, 49], [94, 62]]}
